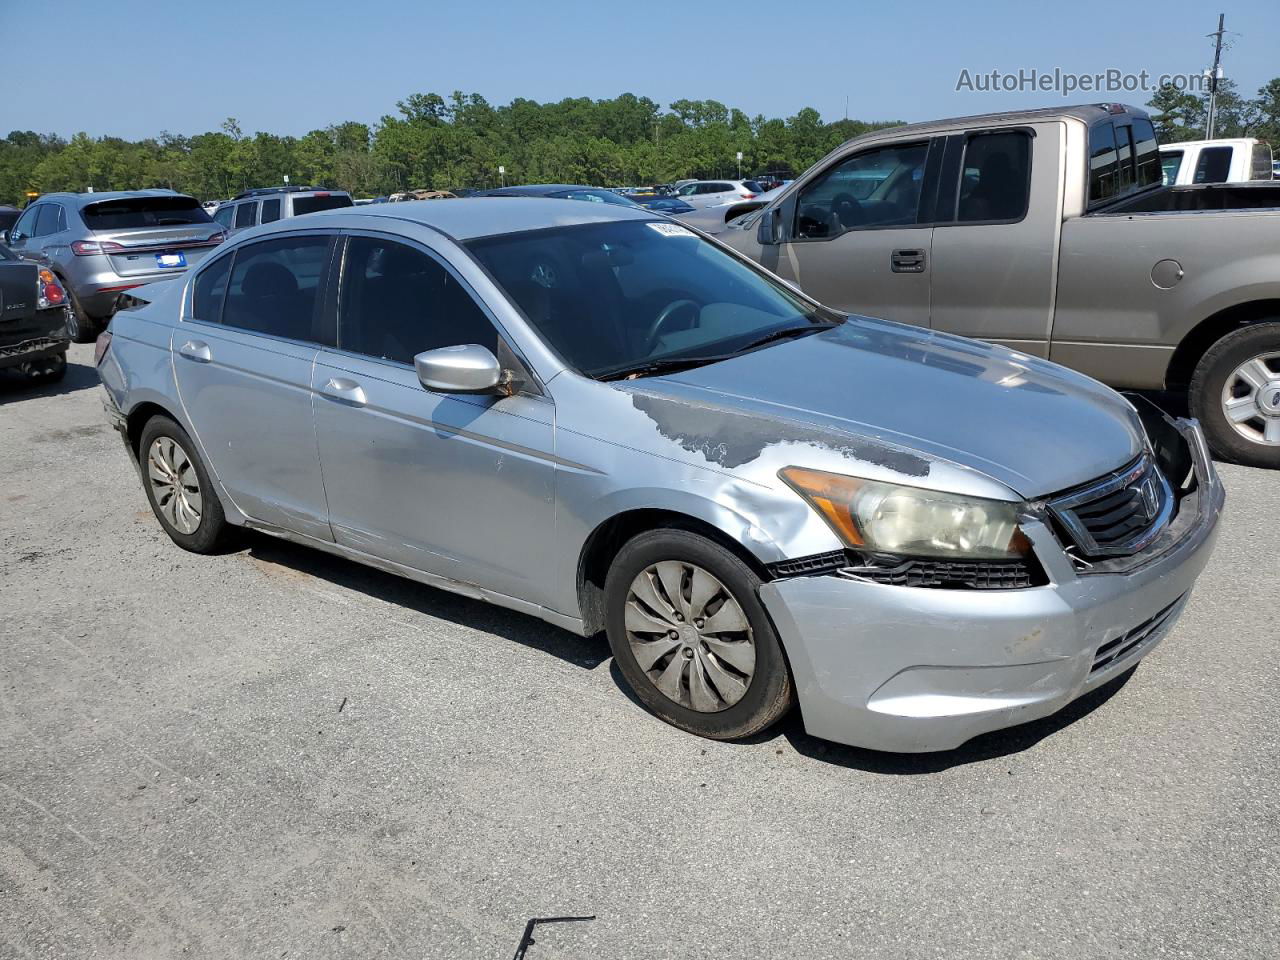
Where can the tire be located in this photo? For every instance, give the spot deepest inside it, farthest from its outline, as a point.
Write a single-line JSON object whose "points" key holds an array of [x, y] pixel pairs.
{"points": [[159, 461], [716, 696], [80, 328], [56, 371], [1241, 371]]}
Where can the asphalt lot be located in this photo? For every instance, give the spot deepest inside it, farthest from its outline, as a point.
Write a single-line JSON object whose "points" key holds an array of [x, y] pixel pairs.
{"points": [[276, 753]]}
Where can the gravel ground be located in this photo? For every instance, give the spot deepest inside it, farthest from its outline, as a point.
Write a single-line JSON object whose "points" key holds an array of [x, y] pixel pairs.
{"points": [[277, 753]]}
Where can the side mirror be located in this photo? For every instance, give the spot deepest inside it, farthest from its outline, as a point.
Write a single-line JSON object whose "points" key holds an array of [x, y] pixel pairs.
{"points": [[468, 368], [767, 231], [4, 236]]}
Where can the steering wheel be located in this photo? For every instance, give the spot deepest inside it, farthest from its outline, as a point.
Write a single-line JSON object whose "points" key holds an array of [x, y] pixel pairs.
{"points": [[665, 314], [847, 209]]}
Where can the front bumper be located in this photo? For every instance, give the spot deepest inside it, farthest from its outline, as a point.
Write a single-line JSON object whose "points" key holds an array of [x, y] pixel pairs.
{"points": [[911, 669]]}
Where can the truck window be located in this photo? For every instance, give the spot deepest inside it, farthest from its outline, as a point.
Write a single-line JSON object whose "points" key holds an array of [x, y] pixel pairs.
{"points": [[1124, 158], [1261, 166], [1146, 154], [1170, 164], [996, 179], [1102, 163], [1214, 165], [877, 188]]}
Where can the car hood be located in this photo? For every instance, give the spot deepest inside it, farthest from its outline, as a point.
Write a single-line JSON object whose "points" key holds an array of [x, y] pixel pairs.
{"points": [[1033, 426]]}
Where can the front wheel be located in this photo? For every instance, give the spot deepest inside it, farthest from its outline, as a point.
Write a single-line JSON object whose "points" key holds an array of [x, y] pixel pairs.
{"points": [[1235, 393], [179, 490], [691, 637]]}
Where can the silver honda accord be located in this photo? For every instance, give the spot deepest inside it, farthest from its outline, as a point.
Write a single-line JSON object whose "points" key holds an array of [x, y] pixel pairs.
{"points": [[602, 418]]}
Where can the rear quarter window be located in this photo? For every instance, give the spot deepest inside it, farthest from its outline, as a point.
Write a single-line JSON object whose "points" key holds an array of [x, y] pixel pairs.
{"points": [[129, 213]]}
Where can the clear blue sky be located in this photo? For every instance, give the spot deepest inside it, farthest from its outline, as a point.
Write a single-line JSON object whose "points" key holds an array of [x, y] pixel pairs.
{"points": [[135, 67]]}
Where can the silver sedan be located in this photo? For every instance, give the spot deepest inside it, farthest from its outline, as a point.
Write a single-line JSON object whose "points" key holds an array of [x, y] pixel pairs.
{"points": [[607, 420]]}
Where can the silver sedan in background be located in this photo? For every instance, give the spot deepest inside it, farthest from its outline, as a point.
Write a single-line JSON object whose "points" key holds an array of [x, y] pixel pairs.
{"points": [[602, 418]]}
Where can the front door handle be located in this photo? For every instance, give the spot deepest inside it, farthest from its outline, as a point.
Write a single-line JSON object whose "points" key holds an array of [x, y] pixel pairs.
{"points": [[907, 261], [196, 350], [345, 390]]}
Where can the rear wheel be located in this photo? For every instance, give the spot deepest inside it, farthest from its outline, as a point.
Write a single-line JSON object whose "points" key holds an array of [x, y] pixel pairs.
{"points": [[1235, 393], [51, 370], [692, 639], [179, 490], [80, 328]]}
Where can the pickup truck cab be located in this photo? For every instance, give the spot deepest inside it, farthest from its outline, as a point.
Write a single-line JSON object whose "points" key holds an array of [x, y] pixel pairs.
{"points": [[1235, 160], [1050, 232]]}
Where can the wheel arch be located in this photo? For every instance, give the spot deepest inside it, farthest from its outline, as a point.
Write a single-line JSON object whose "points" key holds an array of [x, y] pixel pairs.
{"points": [[1210, 330], [609, 536], [136, 420]]}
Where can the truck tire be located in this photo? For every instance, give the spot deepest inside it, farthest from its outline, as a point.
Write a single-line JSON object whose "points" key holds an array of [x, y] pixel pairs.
{"points": [[1235, 393], [179, 489], [691, 637]]}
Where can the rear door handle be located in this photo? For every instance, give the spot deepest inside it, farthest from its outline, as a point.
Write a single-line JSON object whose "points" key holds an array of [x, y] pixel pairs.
{"points": [[196, 350], [907, 261], [345, 390]]}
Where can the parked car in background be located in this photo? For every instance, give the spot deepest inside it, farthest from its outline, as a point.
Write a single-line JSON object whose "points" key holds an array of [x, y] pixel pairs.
{"points": [[671, 206], [269, 204], [421, 195], [561, 191], [710, 193], [1048, 231], [1215, 161], [8, 217], [100, 244], [33, 319], [596, 416]]}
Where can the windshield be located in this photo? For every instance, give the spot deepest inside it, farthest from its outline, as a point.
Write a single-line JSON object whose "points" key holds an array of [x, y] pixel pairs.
{"points": [[610, 297], [130, 212]]}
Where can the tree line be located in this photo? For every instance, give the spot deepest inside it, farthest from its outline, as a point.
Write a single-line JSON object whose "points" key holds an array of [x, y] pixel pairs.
{"points": [[438, 143], [460, 141]]}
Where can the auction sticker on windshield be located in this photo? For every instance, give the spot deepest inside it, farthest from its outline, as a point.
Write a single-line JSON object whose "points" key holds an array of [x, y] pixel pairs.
{"points": [[671, 229]]}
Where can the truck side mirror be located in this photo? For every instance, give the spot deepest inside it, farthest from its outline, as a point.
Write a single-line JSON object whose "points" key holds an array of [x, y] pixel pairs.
{"points": [[767, 231]]}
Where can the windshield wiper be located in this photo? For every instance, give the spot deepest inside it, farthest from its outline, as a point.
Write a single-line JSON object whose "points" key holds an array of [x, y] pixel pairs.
{"points": [[786, 333], [663, 365]]}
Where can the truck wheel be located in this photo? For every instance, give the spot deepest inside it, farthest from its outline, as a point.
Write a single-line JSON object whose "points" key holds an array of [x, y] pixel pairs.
{"points": [[1235, 393], [689, 634], [79, 327], [179, 490]]}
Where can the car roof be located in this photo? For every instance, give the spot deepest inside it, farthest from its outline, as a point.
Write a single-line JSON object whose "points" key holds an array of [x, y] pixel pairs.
{"points": [[464, 218], [84, 199]]}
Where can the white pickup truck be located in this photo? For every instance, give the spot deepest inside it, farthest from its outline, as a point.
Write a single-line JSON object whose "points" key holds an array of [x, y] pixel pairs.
{"points": [[1235, 160], [1050, 232]]}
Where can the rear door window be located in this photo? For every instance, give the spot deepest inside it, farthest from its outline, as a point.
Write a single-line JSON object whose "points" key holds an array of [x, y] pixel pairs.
{"points": [[276, 288], [130, 213], [271, 210], [246, 214], [1261, 166], [320, 201], [1213, 165], [995, 184]]}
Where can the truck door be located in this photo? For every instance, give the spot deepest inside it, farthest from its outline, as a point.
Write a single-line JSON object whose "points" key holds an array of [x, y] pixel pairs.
{"points": [[995, 245], [858, 238]]}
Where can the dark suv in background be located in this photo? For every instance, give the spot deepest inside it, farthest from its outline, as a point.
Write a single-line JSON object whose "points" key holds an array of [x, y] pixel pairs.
{"points": [[101, 244]]}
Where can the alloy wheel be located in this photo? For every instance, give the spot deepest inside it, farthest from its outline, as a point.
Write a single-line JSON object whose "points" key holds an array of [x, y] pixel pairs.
{"points": [[690, 636], [1251, 399], [174, 484]]}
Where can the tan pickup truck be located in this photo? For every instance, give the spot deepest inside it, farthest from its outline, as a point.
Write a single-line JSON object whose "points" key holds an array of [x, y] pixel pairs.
{"points": [[1050, 232]]}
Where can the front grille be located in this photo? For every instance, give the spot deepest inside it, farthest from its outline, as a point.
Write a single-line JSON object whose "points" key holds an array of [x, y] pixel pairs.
{"points": [[1118, 515], [961, 574], [1144, 633], [809, 566]]}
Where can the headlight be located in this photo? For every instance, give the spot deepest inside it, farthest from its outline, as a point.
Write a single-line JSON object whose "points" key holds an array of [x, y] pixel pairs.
{"points": [[886, 518]]}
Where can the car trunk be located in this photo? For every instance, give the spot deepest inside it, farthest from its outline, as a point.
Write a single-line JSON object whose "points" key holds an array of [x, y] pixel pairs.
{"points": [[18, 292], [1259, 195], [159, 234]]}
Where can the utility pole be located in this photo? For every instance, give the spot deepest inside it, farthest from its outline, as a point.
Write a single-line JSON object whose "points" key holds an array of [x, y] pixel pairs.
{"points": [[1213, 77]]}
